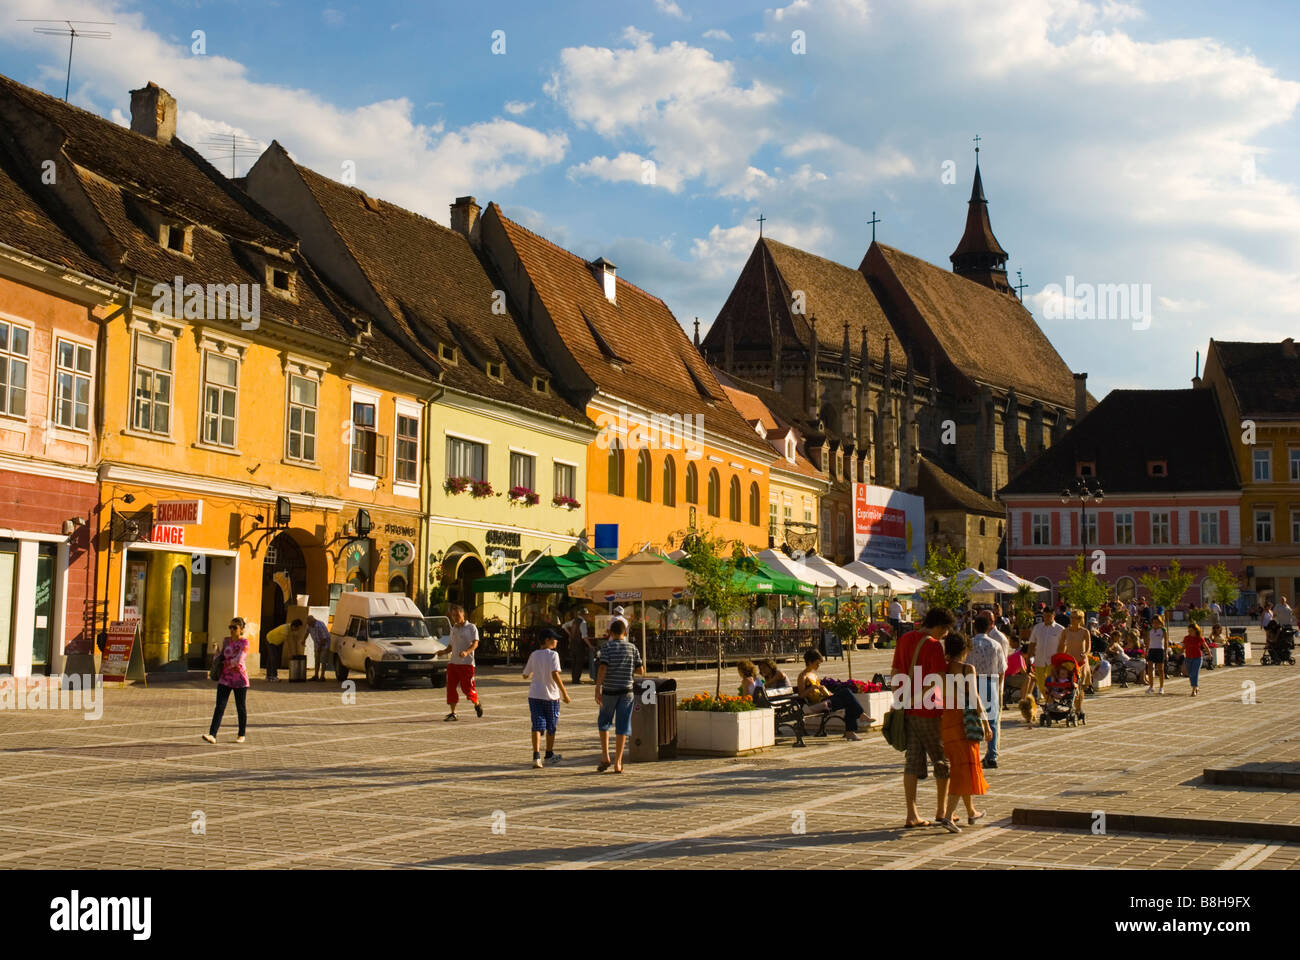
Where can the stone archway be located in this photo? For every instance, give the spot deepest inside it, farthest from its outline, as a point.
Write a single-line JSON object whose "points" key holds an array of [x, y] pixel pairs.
{"points": [[284, 577]]}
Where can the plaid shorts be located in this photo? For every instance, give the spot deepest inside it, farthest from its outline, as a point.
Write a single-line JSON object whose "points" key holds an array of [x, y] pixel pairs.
{"points": [[924, 739], [545, 714]]}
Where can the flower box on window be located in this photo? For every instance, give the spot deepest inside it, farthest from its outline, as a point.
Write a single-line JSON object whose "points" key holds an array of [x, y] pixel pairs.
{"points": [[524, 496], [568, 503], [479, 489], [455, 485]]}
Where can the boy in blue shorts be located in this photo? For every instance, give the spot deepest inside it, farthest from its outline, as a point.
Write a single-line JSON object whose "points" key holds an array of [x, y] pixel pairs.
{"points": [[545, 690], [616, 664]]}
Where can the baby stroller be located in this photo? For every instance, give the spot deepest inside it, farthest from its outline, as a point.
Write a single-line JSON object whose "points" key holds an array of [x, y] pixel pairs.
{"points": [[1059, 704], [1279, 647]]}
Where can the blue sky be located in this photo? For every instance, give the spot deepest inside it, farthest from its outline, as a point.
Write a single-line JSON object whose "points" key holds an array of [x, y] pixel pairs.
{"points": [[1150, 143]]}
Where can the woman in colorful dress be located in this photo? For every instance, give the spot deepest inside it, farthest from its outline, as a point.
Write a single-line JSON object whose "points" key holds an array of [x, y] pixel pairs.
{"points": [[234, 679], [965, 773]]}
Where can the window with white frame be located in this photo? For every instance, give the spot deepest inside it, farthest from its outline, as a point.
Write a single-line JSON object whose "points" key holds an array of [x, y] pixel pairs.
{"points": [[1263, 460], [1159, 528], [1040, 528], [1263, 526], [1124, 528], [220, 399], [523, 470], [1089, 528], [807, 511], [771, 518], [465, 458], [15, 346], [152, 379], [72, 375], [1293, 464], [368, 446], [1209, 526], [566, 480], [1295, 526], [303, 398], [407, 468]]}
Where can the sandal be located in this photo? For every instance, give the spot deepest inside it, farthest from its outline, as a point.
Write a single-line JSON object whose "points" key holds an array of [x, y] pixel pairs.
{"points": [[919, 823], [978, 816], [604, 765], [949, 825]]}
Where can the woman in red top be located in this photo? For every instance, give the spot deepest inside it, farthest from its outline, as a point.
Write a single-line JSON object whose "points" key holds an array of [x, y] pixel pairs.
{"points": [[1193, 649]]}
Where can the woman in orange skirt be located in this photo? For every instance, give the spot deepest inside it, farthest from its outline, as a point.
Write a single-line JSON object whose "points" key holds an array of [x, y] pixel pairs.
{"points": [[965, 773]]}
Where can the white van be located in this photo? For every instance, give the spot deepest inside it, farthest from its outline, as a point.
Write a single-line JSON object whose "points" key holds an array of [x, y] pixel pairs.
{"points": [[385, 635]]}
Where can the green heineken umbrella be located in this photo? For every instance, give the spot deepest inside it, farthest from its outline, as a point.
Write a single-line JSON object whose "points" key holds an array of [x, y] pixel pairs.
{"points": [[548, 574]]}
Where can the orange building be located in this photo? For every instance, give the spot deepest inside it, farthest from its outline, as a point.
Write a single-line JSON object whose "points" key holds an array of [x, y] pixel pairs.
{"points": [[673, 453]]}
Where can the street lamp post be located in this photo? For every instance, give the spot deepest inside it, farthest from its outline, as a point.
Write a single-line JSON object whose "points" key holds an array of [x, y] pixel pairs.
{"points": [[1086, 490]]}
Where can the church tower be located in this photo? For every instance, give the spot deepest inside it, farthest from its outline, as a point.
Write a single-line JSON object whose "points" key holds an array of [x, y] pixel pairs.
{"points": [[979, 256]]}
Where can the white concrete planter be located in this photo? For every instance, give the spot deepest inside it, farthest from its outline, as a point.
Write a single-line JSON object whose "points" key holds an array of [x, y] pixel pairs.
{"points": [[876, 705], [1218, 656], [715, 734], [1247, 652], [1103, 683]]}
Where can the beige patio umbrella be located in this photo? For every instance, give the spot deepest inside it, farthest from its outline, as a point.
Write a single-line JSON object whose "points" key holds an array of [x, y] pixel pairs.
{"points": [[642, 576]]}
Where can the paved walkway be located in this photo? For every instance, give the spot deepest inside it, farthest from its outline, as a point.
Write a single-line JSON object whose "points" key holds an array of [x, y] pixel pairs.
{"points": [[382, 782]]}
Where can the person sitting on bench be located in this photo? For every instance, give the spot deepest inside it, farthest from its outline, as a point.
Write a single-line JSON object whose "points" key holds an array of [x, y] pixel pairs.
{"points": [[812, 691]]}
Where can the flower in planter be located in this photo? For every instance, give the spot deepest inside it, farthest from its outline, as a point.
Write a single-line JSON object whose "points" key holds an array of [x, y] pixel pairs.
{"points": [[707, 702], [480, 489], [567, 502], [854, 686], [455, 485], [523, 495]]}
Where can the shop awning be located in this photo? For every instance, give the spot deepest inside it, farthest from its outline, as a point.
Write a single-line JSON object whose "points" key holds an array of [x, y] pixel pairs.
{"points": [[549, 574]]}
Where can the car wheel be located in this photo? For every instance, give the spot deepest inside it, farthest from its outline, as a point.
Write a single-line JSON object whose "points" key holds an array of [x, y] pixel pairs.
{"points": [[372, 675], [340, 671]]}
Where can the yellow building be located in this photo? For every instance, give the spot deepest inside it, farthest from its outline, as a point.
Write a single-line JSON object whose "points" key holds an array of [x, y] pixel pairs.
{"points": [[507, 452], [1258, 391], [259, 443], [672, 453]]}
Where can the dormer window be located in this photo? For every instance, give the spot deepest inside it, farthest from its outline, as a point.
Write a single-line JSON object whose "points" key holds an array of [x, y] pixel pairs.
{"points": [[541, 385], [1157, 468], [281, 281], [446, 353], [493, 370], [175, 237], [1085, 468], [789, 449]]}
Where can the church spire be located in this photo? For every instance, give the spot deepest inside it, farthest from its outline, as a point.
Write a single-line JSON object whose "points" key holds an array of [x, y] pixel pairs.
{"points": [[979, 256]]}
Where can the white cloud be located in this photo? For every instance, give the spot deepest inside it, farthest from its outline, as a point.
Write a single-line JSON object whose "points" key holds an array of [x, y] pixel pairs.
{"points": [[627, 168], [717, 35], [517, 107], [418, 165], [332, 17], [670, 9]]}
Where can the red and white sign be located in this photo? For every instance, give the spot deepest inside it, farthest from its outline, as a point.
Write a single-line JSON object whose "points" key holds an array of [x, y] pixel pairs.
{"points": [[888, 527], [173, 512], [172, 535], [117, 649]]}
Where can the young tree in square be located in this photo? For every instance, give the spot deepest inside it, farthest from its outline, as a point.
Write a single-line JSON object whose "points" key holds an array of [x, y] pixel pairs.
{"points": [[1081, 589], [712, 565], [1224, 586], [1167, 591], [940, 573]]}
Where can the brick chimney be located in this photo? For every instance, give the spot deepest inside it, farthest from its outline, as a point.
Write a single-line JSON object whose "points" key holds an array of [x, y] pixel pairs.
{"points": [[153, 112], [464, 215], [1080, 396]]}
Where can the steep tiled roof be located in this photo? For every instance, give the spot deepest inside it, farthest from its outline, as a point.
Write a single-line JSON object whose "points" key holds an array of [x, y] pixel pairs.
{"points": [[986, 335], [435, 286], [833, 295], [1128, 429], [753, 409], [634, 349], [1264, 377], [942, 491]]}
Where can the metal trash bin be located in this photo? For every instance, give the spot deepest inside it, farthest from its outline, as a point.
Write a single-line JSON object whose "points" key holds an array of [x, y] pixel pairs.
{"points": [[298, 669], [654, 720]]}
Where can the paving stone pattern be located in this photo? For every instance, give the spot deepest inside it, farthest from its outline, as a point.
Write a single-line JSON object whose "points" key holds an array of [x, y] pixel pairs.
{"points": [[384, 782]]}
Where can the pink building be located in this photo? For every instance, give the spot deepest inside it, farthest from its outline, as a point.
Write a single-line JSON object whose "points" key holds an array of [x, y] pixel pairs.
{"points": [[1171, 491]]}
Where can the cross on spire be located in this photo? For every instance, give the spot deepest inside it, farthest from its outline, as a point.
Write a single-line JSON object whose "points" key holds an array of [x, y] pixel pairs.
{"points": [[977, 146], [1020, 286], [760, 221], [873, 221]]}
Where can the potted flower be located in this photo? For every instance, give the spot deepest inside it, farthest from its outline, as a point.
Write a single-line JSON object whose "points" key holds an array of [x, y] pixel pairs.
{"points": [[723, 726], [479, 489], [567, 503], [524, 495], [873, 697], [455, 485]]}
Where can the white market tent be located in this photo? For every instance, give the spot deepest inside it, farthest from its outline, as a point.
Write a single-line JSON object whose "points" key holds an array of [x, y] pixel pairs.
{"points": [[881, 578], [978, 582], [844, 578], [780, 562], [916, 582], [1001, 573]]}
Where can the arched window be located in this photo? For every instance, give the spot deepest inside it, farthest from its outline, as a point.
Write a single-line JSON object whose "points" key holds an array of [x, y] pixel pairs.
{"points": [[616, 467], [1049, 595], [753, 505], [733, 500], [715, 494], [999, 529], [643, 476], [670, 482], [1125, 588], [981, 528], [692, 484]]}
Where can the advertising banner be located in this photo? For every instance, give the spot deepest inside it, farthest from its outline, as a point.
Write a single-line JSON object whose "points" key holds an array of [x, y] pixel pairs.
{"points": [[888, 527]]}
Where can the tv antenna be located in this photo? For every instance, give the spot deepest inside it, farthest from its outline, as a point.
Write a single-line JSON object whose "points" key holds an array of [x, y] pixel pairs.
{"points": [[234, 146], [72, 32]]}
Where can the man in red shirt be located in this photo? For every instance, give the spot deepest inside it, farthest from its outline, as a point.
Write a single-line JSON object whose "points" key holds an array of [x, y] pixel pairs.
{"points": [[920, 690]]}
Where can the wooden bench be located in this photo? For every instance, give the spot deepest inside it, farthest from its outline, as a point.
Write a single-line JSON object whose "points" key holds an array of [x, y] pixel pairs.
{"points": [[789, 710]]}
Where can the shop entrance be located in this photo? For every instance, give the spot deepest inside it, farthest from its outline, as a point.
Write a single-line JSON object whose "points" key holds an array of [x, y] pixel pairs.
{"points": [[8, 578], [470, 569], [46, 557], [283, 567]]}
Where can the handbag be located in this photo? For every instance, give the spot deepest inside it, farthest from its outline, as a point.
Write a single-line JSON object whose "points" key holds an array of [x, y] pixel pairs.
{"points": [[972, 719], [218, 663], [894, 726]]}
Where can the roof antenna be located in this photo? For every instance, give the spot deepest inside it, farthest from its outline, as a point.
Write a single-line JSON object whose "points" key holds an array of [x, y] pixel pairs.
{"points": [[236, 146], [71, 32]]}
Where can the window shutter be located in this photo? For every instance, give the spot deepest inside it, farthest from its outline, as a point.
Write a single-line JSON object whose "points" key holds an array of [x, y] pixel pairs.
{"points": [[381, 455]]}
